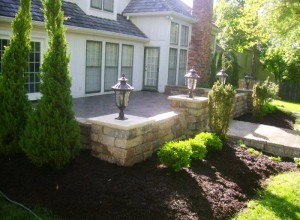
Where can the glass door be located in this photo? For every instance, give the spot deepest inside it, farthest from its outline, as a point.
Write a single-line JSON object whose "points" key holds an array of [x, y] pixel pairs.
{"points": [[151, 68]]}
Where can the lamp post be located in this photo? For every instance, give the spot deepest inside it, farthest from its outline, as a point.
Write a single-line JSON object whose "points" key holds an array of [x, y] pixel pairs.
{"points": [[122, 92], [191, 78], [248, 78], [222, 76]]}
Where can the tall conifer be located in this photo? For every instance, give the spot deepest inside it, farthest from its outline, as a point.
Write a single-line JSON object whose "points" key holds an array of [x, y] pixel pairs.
{"points": [[14, 104], [52, 136]]}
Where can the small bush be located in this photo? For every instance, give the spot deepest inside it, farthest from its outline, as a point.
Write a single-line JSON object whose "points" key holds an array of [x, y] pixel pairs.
{"points": [[241, 144], [254, 152], [269, 108], [198, 148], [210, 140], [221, 102], [297, 161], [276, 159], [176, 155]]}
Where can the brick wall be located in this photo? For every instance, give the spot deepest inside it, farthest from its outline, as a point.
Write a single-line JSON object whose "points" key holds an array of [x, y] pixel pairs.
{"points": [[199, 53]]}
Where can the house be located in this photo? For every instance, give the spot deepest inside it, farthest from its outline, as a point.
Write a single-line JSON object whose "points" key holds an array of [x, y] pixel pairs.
{"points": [[147, 40]]}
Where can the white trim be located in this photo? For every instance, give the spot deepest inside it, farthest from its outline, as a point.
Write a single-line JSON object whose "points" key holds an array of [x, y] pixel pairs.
{"points": [[164, 13]]}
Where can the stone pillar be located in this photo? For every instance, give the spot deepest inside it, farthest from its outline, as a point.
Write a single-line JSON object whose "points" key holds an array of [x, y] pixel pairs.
{"points": [[199, 53]]}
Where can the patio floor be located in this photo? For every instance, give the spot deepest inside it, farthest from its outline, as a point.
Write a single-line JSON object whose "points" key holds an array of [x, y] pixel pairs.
{"points": [[142, 104]]}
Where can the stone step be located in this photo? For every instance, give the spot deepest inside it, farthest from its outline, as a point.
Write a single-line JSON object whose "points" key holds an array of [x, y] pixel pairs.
{"points": [[278, 141]]}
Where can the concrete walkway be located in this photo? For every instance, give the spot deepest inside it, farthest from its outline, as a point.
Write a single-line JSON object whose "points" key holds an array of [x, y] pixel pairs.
{"points": [[278, 141]]}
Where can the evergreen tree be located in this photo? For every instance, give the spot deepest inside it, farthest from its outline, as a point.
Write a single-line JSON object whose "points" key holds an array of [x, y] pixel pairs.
{"points": [[14, 104], [52, 136]]}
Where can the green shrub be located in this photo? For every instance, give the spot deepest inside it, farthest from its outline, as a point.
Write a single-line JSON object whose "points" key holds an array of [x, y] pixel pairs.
{"points": [[269, 108], [276, 159], [254, 152], [52, 135], [297, 161], [221, 100], [241, 144], [176, 155], [210, 140], [14, 104], [261, 93], [198, 148]]}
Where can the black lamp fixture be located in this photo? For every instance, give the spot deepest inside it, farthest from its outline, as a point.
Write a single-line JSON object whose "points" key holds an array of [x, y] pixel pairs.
{"points": [[191, 79], [222, 75], [248, 78], [122, 92]]}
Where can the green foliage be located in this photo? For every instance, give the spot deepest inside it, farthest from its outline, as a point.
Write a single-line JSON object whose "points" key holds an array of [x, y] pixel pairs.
{"points": [[269, 28], [297, 161], [221, 100], [260, 95], [280, 200], [176, 155], [227, 61], [276, 159], [14, 104], [198, 148], [242, 144], [52, 135], [254, 152], [210, 140]]}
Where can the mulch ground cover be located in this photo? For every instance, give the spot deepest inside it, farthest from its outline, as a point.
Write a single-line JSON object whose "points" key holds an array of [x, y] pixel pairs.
{"points": [[215, 188]]}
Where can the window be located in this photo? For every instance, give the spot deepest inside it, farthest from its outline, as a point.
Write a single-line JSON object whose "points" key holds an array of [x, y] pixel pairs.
{"points": [[93, 67], [174, 33], [106, 5], [111, 65], [127, 62], [32, 78], [172, 66], [184, 41], [96, 4], [3, 43], [182, 67]]}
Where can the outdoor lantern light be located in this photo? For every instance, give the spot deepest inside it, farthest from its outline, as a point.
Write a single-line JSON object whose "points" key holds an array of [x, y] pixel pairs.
{"points": [[122, 91], [191, 78], [248, 78], [222, 76]]}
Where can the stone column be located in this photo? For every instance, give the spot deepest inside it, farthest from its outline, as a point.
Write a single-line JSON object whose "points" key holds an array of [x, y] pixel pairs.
{"points": [[199, 53]]}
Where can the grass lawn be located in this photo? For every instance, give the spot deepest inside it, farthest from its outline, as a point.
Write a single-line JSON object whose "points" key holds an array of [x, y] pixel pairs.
{"points": [[292, 107], [280, 200], [10, 211]]}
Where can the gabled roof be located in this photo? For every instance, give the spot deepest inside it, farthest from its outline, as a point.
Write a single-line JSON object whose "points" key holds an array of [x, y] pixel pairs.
{"points": [[76, 18], [140, 6]]}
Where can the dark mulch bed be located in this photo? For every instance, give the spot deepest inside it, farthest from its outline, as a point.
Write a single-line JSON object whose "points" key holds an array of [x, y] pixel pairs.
{"points": [[88, 188], [278, 119]]}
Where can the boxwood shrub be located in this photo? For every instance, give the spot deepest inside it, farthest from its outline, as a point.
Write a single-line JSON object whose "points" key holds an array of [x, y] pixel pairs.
{"points": [[176, 155], [210, 140], [198, 148]]}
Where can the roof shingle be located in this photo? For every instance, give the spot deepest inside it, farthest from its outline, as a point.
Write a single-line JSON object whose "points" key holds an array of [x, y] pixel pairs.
{"points": [[76, 18], [140, 6]]}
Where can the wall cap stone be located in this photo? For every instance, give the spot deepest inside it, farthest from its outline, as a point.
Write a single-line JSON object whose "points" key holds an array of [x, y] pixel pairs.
{"points": [[185, 98], [131, 123], [164, 116]]}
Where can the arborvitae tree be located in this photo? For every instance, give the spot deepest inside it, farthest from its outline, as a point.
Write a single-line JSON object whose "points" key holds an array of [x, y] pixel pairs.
{"points": [[14, 104], [52, 135]]}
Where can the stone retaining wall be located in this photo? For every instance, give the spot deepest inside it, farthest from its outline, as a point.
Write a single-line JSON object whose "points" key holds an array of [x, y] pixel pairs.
{"points": [[136, 139], [178, 90]]}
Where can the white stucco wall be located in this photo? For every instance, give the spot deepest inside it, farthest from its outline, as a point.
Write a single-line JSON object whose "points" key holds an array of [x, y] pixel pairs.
{"points": [[77, 49], [157, 28]]}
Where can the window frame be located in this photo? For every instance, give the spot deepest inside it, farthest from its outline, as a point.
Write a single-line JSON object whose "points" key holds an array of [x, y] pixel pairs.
{"points": [[130, 78], [106, 66], [176, 42]]}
